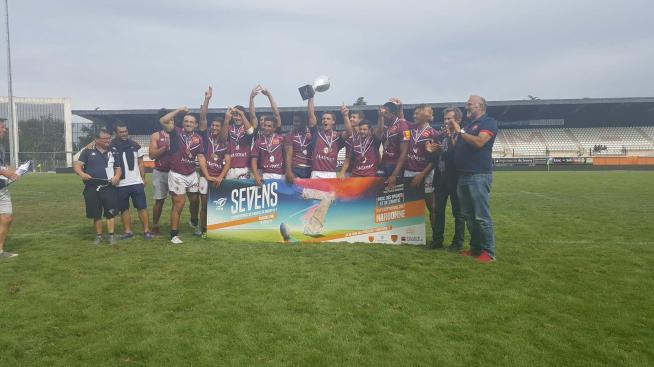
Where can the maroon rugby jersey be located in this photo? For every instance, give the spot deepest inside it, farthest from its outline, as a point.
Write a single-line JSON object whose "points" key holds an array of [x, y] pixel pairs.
{"points": [[394, 134], [363, 154], [270, 153], [418, 157], [300, 142], [189, 145], [215, 155], [325, 150], [161, 163], [239, 146]]}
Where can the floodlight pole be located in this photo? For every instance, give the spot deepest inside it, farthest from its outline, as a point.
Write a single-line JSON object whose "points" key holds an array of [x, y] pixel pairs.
{"points": [[11, 108]]}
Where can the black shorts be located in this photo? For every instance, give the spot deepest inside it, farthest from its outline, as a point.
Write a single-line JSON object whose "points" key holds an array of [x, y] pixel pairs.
{"points": [[136, 192], [97, 201]]}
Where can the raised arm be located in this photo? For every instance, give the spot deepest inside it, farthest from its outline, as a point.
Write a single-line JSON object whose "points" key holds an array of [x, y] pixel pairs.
{"points": [[379, 131], [167, 121], [345, 112], [204, 109], [275, 109], [400, 108], [224, 130], [251, 108], [249, 129], [311, 111]]}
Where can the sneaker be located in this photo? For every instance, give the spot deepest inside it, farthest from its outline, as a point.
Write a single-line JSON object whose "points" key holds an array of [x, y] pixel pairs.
{"points": [[176, 240], [112, 239], [7, 255], [147, 236], [484, 258], [155, 232], [197, 232], [466, 253], [98, 239], [204, 235], [127, 236]]}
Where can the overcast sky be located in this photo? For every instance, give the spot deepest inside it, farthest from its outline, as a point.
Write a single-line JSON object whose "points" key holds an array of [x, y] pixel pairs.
{"points": [[149, 54]]}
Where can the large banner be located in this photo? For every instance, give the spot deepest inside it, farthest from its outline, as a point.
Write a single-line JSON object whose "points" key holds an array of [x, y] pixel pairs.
{"points": [[317, 210]]}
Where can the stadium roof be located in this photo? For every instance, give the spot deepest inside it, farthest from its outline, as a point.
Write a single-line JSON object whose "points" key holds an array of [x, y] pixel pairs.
{"points": [[572, 112]]}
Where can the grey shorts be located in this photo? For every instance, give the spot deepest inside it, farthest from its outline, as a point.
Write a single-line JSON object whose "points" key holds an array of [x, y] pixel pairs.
{"points": [[160, 184], [5, 202]]}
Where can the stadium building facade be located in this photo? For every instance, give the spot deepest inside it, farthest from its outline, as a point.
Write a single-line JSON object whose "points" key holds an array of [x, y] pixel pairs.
{"points": [[555, 128]]}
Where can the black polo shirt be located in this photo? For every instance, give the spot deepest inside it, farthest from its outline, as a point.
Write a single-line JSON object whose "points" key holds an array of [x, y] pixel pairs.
{"points": [[98, 164]]}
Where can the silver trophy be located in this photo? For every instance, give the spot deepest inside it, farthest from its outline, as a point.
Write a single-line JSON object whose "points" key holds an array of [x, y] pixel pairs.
{"points": [[321, 84]]}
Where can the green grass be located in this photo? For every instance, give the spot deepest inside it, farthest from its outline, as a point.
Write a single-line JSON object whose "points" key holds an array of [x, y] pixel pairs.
{"points": [[572, 286]]}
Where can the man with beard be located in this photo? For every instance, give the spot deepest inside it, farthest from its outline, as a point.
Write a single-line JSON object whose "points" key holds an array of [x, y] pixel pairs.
{"points": [[216, 161], [185, 146], [268, 149], [99, 168], [132, 181], [158, 150], [326, 142], [395, 138], [474, 164], [298, 149], [419, 163], [362, 152], [239, 132]]}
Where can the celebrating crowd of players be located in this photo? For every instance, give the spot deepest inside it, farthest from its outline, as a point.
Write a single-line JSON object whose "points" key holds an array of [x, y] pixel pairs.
{"points": [[448, 162]]}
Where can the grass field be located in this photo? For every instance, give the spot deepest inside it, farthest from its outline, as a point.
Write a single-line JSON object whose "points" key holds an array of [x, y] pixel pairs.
{"points": [[573, 285]]}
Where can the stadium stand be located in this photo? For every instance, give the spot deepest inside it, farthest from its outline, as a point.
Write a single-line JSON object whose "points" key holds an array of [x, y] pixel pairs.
{"points": [[536, 128]]}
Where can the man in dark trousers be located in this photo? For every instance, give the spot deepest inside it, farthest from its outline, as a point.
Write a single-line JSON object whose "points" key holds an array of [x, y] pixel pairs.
{"points": [[446, 181]]}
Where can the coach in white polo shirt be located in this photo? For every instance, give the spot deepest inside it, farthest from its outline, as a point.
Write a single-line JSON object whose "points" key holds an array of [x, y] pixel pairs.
{"points": [[132, 181]]}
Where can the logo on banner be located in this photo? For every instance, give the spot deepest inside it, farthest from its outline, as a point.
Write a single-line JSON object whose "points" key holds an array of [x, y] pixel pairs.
{"points": [[220, 203]]}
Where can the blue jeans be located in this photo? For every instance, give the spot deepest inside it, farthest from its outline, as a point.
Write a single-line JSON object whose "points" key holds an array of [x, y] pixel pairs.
{"points": [[474, 192]]}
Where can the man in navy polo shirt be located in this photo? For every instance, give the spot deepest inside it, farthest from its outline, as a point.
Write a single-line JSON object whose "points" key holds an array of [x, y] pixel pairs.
{"points": [[99, 168], [474, 164]]}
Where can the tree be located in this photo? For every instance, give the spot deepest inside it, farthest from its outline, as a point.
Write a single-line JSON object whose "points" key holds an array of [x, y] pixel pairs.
{"points": [[41, 135], [361, 101], [42, 140]]}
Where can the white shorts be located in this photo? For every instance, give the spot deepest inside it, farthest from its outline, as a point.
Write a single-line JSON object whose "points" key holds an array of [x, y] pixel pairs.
{"points": [[203, 186], [5, 202], [242, 173], [181, 184], [429, 180], [160, 184], [272, 176], [323, 174]]}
